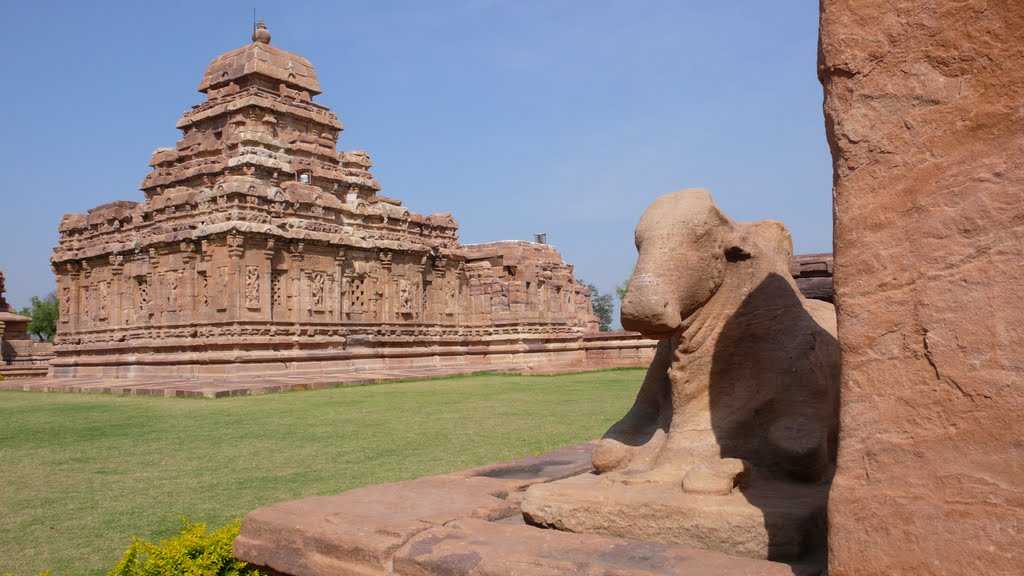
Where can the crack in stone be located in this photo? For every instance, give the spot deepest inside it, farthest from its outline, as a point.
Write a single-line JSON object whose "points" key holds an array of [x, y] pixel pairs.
{"points": [[938, 375]]}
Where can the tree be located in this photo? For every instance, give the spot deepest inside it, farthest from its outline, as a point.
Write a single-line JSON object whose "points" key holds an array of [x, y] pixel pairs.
{"points": [[44, 313], [603, 306], [622, 289]]}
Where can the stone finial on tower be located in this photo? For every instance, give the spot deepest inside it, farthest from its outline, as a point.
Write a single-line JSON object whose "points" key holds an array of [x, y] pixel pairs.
{"points": [[260, 33]]}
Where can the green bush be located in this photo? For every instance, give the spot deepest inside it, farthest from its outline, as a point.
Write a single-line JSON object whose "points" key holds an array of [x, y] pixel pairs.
{"points": [[193, 552]]}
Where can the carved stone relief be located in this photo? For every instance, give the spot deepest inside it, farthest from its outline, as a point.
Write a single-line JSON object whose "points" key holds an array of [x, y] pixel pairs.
{"points": [[317, 290], [102, 301], [65, 304], [252, 287]]}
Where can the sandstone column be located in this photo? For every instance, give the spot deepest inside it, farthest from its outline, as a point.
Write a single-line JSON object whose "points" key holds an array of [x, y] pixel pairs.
{"points": [[187, 302], [236, 276], [76, 300], [339, 285], [924, 108], [267, 281], [295, 279], [115, 306]]}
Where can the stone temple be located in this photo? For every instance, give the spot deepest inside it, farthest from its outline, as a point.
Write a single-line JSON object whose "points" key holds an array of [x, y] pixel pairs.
{"points": [[262, 248]]}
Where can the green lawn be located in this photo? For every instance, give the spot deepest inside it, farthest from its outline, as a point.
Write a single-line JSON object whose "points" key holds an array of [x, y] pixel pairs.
{"points": [[81, 474]]}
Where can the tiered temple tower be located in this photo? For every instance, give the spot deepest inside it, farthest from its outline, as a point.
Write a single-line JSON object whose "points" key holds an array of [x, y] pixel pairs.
{"points": [[259, 244]]}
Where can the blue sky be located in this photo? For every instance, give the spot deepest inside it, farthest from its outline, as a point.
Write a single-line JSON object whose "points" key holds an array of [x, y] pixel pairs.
{"points": [[557, 116]]}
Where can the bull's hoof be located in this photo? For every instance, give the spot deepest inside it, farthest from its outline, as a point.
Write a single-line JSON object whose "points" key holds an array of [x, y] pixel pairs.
{"points": [[611, 455]]}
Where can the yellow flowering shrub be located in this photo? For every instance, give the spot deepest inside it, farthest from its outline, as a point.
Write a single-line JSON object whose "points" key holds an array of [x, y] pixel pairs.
{"points": [[192, 552]]}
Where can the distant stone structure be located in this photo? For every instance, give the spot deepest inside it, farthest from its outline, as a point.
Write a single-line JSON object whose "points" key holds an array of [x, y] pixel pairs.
{"points": [[20, 356], [813, 275], [259, 245]]}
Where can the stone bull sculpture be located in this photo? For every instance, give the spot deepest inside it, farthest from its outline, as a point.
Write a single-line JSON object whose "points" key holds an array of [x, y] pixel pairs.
{"points": [[745, 378], [731, 441]]}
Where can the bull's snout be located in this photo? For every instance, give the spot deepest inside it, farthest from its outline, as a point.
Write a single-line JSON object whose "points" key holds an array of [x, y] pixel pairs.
{"points": [[649, 308]]}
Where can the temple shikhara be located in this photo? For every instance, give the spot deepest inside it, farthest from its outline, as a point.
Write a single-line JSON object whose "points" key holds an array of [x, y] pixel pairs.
{"points": [[260, 245]]}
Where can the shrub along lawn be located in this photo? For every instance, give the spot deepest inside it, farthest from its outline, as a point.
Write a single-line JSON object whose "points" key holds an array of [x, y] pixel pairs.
{"points": [[80, 475]]}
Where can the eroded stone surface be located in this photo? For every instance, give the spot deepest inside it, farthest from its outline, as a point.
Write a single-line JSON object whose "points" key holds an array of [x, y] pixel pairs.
{"points": [[476, 548], [769, 519], [465, 523], [923, 114], [357, 532]]}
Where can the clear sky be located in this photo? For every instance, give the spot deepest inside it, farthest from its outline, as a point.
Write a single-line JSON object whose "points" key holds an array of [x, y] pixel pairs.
{"points": [[557, 116]]}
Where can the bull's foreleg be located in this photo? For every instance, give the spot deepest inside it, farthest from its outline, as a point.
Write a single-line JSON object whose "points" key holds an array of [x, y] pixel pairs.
{"points": [[638, 436]]}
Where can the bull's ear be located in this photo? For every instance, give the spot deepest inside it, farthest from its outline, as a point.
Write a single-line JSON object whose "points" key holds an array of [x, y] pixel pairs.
{"points": [[736, 253], [736, 245]]}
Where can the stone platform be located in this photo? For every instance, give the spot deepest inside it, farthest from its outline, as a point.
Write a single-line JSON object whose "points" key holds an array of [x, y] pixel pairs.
{"points": [[467, 523], [21, 372], [245, 377], [764, 519]]}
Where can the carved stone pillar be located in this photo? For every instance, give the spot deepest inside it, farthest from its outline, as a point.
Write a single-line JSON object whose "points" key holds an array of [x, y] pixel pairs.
{"points": [[420, 305], [295, 279], [154, 308], [439, 289], [267, 282], [235, 282], [384, 290], [116, 305], [85, 297], [187, 309], [339, 297], [74, 272]]}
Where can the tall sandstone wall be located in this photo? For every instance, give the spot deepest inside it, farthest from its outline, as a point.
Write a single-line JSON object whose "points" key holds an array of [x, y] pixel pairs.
{"points": [[924, 108]]}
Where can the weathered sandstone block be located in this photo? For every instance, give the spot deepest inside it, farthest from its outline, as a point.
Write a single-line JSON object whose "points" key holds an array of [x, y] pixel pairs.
{"points": [[477, 548], [923, 105], [462, 524]]}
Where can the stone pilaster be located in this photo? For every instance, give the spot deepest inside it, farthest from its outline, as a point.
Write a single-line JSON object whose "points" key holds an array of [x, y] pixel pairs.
{"points": [[339, 274], [154, 308], [74, 274], [117, 287], [236, 275], [297, 256], [384, 289], [266, 283], [187, 310]]}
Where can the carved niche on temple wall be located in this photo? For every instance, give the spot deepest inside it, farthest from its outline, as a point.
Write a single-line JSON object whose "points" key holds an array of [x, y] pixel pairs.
{"points": [[103, 300], [317, 291], [406, 298], [141, 298], [220, 289], [360, 293], [277, 298], [252, 287], [65, 304]]}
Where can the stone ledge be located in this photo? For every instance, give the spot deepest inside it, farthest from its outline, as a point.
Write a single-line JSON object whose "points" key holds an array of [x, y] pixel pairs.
{"points": [[472, 547], [466, 523]]}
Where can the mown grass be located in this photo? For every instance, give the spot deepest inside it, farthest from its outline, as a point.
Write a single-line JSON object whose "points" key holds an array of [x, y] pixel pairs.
{"points": [[81, 474]]}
